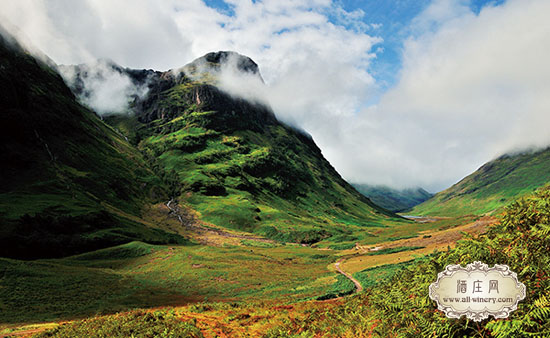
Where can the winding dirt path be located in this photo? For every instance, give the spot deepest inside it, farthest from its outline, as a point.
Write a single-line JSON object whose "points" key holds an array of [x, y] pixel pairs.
{"points": [[358, 287]]}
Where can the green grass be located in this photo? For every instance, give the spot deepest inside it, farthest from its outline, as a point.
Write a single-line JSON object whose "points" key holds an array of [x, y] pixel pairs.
{"points": [[342, 246], [135, 324], [61, 166], [342, 287], [400, 238], [258, 244], [491, 187], [396, 302], [386, 251], [377, 276], [143, 275]]}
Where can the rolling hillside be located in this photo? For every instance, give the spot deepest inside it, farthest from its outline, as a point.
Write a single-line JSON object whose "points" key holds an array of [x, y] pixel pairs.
{"points": [[494, 185], [67, 179], [71, 183]]}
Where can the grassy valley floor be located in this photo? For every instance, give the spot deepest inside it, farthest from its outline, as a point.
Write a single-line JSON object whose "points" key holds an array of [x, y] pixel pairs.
{"points": [[233, 284]]}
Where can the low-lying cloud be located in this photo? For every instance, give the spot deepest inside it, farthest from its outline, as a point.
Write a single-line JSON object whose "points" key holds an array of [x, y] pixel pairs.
{"points": [[472, 89], [229, 76], [102, 86]]}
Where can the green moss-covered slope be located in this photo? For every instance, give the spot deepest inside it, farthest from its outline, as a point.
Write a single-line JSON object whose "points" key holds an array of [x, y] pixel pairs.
{"points": [[494, 185], [241, 168]]}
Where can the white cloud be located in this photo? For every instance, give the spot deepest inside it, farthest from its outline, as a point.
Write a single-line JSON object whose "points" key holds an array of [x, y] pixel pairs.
{"points": [[104, 88], [471, 86], [137, 33], [316, 70], [470, 90]]}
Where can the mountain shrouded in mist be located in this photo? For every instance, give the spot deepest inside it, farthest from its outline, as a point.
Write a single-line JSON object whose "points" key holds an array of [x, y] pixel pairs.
{"points": [[71, 183], [239, 166], [393, 199]]}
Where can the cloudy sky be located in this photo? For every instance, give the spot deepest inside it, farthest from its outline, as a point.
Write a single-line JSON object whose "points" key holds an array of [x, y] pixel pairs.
{"points": [[398, 92]]}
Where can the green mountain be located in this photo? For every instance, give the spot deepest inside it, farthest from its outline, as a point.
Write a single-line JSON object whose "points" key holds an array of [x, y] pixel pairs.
{"points": [[236, 164], [71, 183], [494, 185], [393, 199], [68, 182]]}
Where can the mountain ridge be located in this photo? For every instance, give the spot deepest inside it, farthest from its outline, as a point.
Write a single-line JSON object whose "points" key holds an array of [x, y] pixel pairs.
{"points": [[73, 183], [396, 200], [492, 186]]}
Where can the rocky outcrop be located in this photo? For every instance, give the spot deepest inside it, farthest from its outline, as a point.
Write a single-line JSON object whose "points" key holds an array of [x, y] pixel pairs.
{"points": [[180, 92], [191, 88], [212, 62]]}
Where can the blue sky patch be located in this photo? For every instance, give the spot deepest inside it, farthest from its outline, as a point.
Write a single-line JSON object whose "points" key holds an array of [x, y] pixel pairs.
{"points": [[388, 19]]}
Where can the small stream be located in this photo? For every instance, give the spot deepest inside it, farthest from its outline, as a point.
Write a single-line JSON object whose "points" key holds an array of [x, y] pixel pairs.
{"points": [[420, 219]]}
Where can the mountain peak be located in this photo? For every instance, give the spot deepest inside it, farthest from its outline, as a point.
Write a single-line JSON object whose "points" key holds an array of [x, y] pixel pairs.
{"points": [[215, 63]]}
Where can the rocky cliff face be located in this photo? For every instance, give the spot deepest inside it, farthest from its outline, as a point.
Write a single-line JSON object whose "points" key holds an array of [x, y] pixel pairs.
{"points": [[165, 95], [228, 113], [193, 87], [212, 62]]}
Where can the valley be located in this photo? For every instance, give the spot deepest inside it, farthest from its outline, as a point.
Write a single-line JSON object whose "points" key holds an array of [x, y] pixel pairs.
{"points": [[404, 250], [197, 213], [247, 273]]}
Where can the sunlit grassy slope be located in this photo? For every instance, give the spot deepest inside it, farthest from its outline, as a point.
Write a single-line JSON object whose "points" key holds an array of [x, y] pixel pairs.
{"points": [[494, 185], [142, 275], [70, 184], [60, 165]]}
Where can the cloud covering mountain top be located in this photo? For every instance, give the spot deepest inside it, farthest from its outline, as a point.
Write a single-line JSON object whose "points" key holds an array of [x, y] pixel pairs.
{"points": [[471, 85]]}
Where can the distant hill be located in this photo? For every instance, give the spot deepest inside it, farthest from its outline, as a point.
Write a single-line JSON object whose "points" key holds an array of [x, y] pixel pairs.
{"points": [[494, 185], [393, 199]]}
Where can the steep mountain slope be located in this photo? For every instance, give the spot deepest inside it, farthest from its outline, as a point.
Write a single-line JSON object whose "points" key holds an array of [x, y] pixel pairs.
{"points": [[66, 178], [494, 185], [237, 165], [393, 199]]}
